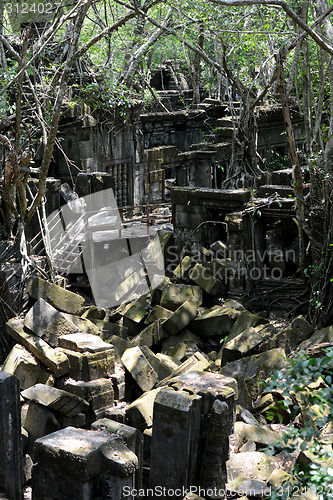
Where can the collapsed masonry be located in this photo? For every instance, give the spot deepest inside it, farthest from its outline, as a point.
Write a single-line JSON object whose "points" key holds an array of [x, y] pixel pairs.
{"points": [[146, 395]]}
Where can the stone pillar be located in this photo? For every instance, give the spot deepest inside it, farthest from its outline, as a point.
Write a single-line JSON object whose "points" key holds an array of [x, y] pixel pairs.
{"points": [[11, 470], [174, 448]]}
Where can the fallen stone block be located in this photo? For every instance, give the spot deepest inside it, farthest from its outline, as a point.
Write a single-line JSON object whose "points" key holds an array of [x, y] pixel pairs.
{"points": [[79, 421], [180, 318], [182, 346], [83, 342], [252, 487], [256, 465], [96, 313], [161, 367], [290, 337], [245, 343], [107, 330], [27, 468], [140, 412], [83, 324], [203, 278], [218, 320], [219, 249], [117, 412], [23, 365], [38, 422], [46, 322], [137, 310], [54, 359], [89, 366], [246, 320], [150, 335], [197, 363], [139, 367], [75, 463], [183, 267], [55, 399], [119, 346], [319, 337], [99, 393], [158, 313], [57, 296], [130, 436], [118, 382], [174, 296], [255, 433], [266, 362]]}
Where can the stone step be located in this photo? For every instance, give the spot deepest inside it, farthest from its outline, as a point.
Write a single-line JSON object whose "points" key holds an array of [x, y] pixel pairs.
{"points": [[268, 190]]}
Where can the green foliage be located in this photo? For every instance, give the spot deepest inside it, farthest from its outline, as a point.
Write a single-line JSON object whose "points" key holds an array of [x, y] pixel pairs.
{"points": [[306, 391]]}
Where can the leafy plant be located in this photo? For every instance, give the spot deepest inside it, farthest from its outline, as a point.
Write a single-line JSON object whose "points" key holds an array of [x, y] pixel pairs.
{"points": [[306, 391]]}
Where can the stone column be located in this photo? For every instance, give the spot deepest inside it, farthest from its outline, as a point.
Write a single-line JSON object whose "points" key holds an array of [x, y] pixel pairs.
{"points": [[174, 449], [11, 470]]}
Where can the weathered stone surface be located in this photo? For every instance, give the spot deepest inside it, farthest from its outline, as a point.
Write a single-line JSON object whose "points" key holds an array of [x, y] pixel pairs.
{"points": [[246, 320], [27, 468], [84, 324], [58, 297], [245, 343], [182, 346], [197, 363], [158, 312], [10, 437], [218, 320], [108, 329], [183, 267], [298, 331], [83, 342], [256, 465], [150, 335], [177, 417], [130, 436], [46, 322], [267, 362], [161, 367], [140, 412], [139, 367], [54, 359], [203, 278], [180, 318], [119, 346], [137, 310], [23, 365], [89, 366], [251, 487], [118, 382], [174, 296], [319, 337], [99, 393], [38, 421], [257, 434], [55, 399]]}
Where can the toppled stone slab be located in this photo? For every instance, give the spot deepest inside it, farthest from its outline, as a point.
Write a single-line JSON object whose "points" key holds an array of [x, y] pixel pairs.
{"points": [[174, 296], [266, 362], [89, 366], [255, 464], [151, 335], [55, 399], [54, 359], [119, 346], [139, 367], [197, 363], [23, 365], [158, 313], [203, 278], [38, 421], [83, 342], [251, 487], [84, 324], [180, 318], [245, 343], [258, 434], [58, 297], [46, 322], [137, 310], [218, 320], [294, 334], [319, 337], [245, 320], [99, 393], [184, 266], [140, 412]]}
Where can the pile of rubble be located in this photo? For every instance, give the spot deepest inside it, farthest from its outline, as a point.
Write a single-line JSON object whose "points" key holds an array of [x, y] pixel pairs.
{"points": [[150, 394]]}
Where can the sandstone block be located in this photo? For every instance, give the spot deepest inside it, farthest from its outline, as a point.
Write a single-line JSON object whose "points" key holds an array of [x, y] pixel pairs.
{"points": [[139, 367], [23, 365], [55, 399], [180, 318], [58, 297]]}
